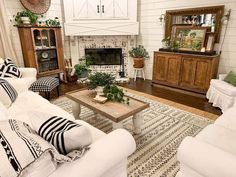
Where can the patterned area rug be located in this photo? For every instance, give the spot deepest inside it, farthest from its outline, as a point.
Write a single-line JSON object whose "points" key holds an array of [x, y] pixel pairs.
{"points": [[163, 130]]}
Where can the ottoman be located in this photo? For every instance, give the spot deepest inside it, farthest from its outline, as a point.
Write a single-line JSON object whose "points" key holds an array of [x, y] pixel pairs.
{"points": [[46, 85]]}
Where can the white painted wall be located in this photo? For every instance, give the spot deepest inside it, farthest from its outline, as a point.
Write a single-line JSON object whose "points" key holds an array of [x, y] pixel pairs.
{"points": [[56, 10], [152, 32]]}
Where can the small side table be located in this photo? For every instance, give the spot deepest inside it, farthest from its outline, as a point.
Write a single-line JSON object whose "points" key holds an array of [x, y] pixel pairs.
{"points": [[136, 70], [45, 84]]}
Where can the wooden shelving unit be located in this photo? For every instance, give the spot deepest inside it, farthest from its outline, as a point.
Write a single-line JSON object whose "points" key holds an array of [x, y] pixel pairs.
{"points": [[42, 49]]}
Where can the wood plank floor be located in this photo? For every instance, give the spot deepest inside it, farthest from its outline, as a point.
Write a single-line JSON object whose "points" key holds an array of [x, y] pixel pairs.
{"points": [[146, 87]]}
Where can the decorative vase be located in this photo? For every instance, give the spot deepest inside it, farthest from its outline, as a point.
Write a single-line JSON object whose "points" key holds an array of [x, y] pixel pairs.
{"points": [[25, 20], [99, 90], [138, 62]]}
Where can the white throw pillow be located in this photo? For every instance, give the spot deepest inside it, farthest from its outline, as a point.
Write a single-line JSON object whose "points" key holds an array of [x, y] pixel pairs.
{"points": [[3, 112], [7, 93], [64, 134]]}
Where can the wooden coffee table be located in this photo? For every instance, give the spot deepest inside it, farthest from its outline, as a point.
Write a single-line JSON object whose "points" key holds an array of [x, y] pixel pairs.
{"points": [[111, 110]]}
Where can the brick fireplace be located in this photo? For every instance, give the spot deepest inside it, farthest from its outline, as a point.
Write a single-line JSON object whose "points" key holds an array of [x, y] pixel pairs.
{"points": [[96, 42]]}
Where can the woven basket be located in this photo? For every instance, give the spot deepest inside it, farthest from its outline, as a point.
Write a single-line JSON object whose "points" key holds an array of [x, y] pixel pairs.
{"points": [[138, 62]]}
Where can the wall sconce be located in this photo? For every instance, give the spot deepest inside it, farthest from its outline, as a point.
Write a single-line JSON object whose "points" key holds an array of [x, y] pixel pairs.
{"points": [[224, 20], [162, 18], [226, 17]]}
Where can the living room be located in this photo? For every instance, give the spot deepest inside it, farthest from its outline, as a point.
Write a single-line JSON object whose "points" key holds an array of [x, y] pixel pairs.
{"points": [[116, 88]]}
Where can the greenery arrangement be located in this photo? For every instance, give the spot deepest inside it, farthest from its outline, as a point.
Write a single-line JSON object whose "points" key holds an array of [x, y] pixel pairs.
{"points": [[33, 17], [99, 79], [53, 22], [110, 90], [139, 52], [166, 42], [114, 93], [83, 66]]}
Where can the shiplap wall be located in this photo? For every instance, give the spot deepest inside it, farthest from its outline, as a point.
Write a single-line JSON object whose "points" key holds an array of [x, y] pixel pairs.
{"points": [[55, 10], [152, 32]]}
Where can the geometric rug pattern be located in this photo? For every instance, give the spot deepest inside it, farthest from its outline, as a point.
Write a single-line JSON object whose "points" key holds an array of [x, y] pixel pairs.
{"points": [[164, 127]]}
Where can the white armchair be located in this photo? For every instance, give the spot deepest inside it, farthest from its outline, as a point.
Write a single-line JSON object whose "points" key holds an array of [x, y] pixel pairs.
{"points": [[23, 84], [221, 93], [212, 153]]}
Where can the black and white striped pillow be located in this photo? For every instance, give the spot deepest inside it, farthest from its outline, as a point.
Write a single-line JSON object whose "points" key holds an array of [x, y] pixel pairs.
{"points": [[9, 69], [64, 134], [7, 93]]}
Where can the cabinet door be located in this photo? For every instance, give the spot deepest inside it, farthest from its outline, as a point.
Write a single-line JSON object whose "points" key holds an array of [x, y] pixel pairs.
{"points": [[107, 8], [160, 67], [90, 9], [80, 9], [188, 72], [202, 74], [195, 73], [173, 69], [120, 8], [166, 68]]}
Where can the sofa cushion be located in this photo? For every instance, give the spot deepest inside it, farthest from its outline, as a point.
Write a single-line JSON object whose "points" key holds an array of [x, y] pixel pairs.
{"points": [[228, 119], [7, 93], [9, 69], [28, 102], [224, 87], [220, 137], [64, 134], [3, 112], [21, 148]]}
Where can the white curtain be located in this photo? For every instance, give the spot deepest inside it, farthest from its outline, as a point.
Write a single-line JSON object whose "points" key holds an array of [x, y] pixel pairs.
{"points": [[6, 44]]}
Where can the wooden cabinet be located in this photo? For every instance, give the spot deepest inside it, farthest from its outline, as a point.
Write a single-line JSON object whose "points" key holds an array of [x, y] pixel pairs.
{"points": [[42, 49], [189, 72], [167, 68]]}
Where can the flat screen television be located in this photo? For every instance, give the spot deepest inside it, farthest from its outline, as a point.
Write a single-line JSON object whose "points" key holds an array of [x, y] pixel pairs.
{"points": [[105, 56]]}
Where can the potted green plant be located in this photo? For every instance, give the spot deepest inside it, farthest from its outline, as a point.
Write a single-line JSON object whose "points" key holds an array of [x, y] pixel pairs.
{"points": [[25, 17], [114, 93], [166, 43], [99, 80], [82, 69], [138, 54]]}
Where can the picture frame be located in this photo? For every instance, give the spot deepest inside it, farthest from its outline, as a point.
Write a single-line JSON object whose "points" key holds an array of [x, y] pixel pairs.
{"points": [[210, 42], [190, 38]]}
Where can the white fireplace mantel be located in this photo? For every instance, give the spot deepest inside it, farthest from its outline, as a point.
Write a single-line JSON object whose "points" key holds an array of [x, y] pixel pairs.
{"points": [[100, 17]]}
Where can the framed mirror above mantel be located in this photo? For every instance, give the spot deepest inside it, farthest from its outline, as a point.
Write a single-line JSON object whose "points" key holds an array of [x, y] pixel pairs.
{"points": [[209, 17]]}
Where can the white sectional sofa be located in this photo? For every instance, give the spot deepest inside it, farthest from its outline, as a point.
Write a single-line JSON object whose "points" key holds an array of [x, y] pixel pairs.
{"points": [[212, 153], [22, 84], [108, 154]]}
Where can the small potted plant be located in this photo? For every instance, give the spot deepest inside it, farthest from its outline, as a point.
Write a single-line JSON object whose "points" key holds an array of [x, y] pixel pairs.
{"points": [[166, 43], [114, 93], [138, 54], [25, 17], [98, 81], [82, 69]]}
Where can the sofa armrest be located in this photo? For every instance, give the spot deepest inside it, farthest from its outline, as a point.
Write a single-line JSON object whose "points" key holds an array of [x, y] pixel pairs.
{"points": [[104, 154], [28, 72], [222, 76], [206, 159]]}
